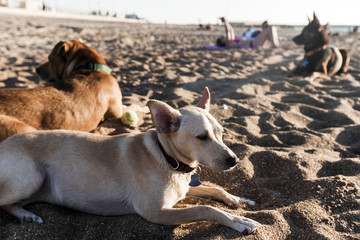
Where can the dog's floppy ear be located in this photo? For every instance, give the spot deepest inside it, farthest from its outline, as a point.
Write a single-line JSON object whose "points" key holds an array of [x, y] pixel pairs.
{"points": [[64, 48], [61, 49], [165, 118], [204, 102]]}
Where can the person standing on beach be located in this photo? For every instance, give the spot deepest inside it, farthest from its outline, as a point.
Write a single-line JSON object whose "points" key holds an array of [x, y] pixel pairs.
{"points": [[251, 38]]}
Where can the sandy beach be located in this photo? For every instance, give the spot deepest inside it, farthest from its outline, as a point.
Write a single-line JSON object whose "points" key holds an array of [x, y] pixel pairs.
{"points": [[298, 141]]}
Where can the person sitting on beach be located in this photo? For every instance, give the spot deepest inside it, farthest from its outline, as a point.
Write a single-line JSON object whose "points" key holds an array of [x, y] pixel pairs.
{"points": [[251, 38], [207, 27]]}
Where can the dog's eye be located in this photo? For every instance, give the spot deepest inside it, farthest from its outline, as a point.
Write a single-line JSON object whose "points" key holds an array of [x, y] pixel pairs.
{"points": [[203, 137]]}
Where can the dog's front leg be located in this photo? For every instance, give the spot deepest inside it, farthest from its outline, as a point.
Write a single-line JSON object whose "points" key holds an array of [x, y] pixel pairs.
{"points": [[321, 73], [218, 194], [175, 216]]}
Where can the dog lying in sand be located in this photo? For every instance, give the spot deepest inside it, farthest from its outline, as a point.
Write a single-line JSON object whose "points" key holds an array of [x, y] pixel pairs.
{"points": [[320, 60], [145, 174], [82, 95]]}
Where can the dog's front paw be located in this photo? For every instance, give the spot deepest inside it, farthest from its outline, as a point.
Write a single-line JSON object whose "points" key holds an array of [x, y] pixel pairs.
{"points": [[234, 201], [248, 201], [289, 73], [316, 75], [245, 225]]}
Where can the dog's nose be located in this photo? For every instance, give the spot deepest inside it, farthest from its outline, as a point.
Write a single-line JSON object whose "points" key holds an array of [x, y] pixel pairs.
{"points": [[37, 70], [231, 161]]}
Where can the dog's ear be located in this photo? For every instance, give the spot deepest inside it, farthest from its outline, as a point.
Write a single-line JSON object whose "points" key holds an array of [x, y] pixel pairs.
{"points": [[315, 19], [80, 40], [204, 102], [309, 20], [63, 48], [165, 118]]}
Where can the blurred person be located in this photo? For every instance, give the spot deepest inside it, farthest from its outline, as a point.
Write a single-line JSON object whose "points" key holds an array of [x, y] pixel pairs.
{"points": [[251, 38]]}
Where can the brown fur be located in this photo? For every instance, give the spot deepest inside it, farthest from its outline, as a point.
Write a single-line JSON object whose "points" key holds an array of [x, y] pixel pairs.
{"points": [[78, 99]]}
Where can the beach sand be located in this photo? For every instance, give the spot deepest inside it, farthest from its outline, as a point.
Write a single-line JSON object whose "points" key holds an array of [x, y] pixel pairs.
{"points": [[298, 141]]}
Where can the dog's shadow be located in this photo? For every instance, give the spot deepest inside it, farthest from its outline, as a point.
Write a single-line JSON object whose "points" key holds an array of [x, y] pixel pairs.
{"points": [[79, 225]]}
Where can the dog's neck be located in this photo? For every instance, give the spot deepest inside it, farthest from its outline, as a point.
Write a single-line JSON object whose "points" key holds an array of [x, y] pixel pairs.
{"points": [[96, 66], [175, 164], [320, 43], [309, 53]]}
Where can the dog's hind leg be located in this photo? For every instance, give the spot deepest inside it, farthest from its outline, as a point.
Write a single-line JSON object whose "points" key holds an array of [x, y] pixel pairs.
{"points": [[346, 60], [20, 180], [24, 215], [175, 216], [218, 194], [10, 126]]}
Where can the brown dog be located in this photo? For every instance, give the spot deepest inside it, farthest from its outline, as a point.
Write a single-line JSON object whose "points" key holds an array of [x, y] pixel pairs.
{"points": [[82, 95], [320, 60]]}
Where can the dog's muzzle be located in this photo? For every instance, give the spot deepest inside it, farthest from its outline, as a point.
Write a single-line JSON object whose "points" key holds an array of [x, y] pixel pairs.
{"points": [[298, 40]]}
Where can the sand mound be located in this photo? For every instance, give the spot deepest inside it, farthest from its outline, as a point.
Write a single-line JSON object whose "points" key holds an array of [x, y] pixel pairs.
{"points": [[298, 141]]}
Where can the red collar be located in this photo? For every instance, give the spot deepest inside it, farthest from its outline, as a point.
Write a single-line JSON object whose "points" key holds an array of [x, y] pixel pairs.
{"points": [[175, 164]]}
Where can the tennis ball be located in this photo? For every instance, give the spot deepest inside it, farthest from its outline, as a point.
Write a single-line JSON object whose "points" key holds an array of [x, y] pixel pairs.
{"points": [[129, 118]]}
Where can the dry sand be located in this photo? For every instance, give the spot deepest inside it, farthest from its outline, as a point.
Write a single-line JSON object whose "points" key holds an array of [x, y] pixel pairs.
{"points": [[298, 141]]}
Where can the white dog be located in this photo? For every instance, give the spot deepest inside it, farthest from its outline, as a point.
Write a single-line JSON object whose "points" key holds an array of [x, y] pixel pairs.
{"points": [[145, 174]]}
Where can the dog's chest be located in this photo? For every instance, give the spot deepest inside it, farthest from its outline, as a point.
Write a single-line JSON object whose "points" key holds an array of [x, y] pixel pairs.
{"points": [[176, 189], [315, 61]]}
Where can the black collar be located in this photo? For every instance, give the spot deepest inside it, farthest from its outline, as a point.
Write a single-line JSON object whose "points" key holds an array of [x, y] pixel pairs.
{"points": [[175, 164]]}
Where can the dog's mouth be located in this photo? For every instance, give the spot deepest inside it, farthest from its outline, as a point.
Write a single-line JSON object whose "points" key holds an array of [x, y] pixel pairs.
{"points": [[224, 165], [44, 76]]}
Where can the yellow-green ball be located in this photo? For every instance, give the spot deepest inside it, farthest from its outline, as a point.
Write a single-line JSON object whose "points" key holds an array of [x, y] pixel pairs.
{"points": [[129, 118]]}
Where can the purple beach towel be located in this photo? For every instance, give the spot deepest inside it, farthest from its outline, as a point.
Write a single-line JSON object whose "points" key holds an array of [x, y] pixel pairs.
{"points": [[214, 47]]}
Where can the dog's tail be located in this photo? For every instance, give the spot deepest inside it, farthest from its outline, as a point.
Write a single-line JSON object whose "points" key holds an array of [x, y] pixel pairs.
{"points": [[346, 60]]}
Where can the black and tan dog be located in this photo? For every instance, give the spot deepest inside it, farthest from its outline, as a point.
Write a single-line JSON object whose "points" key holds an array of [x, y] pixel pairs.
{"points": [[83, 93], [320, 60]]}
